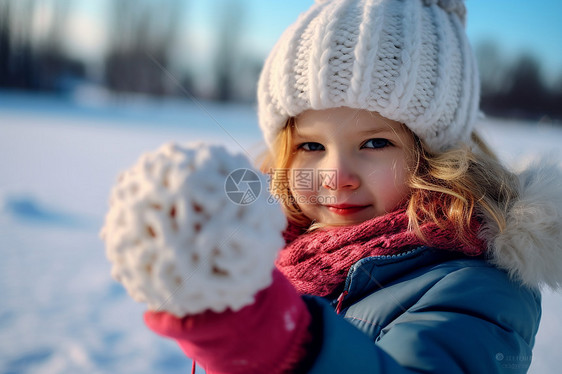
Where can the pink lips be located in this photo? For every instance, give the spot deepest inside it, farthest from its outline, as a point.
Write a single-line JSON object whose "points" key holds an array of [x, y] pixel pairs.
{"points": [[346, 209]]}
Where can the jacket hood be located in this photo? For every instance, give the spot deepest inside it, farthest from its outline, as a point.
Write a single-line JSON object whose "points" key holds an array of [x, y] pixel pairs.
{"points": [[530, 247]]}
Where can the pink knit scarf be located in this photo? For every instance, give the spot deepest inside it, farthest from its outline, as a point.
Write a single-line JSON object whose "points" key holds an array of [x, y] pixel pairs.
{"points": [[317, 263]]}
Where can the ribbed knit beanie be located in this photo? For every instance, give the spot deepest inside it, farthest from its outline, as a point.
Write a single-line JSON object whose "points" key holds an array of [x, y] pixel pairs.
{"points": [[408, 60]]}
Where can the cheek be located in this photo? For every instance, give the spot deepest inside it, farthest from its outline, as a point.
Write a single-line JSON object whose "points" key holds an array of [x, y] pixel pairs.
{"points": [[303, 179], [304, 199], [303, 190], [389, 185]]}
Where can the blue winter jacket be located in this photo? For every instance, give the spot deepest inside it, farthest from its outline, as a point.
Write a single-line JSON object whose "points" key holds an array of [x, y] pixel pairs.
{"points": [[425, 311]]}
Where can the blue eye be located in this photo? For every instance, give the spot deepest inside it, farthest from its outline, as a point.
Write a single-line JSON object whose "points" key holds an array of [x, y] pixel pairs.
{"points": [[311, 147], [376, 143]]}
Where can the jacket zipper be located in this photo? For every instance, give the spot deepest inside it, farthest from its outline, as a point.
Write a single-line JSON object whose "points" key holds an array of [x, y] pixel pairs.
{"points": [[340, 301], [342, 296]]}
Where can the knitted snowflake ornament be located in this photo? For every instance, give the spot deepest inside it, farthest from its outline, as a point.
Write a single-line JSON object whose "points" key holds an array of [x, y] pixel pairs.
{"points": [[180, 243]]}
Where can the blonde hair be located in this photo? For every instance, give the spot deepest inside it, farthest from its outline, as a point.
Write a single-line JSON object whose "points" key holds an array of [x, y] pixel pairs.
{"points": [[448, 188], [280, 158]]}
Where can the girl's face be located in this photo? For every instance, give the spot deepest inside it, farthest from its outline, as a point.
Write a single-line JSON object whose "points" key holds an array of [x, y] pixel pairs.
{"points": [[356, 162]]}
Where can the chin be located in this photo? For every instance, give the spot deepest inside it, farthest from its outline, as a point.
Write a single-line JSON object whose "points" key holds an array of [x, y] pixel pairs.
{"points": [[343, 222]]}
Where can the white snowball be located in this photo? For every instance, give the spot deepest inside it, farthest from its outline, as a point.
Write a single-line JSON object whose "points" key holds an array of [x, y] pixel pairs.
{"points": [[185, 235]]}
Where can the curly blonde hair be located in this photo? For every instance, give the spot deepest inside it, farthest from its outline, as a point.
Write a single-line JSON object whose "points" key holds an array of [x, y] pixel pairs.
{"points": [[448, 188]]}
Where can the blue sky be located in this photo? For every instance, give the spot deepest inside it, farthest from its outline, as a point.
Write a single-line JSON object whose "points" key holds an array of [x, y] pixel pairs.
{"points": [[516, 26], [520, 26]]}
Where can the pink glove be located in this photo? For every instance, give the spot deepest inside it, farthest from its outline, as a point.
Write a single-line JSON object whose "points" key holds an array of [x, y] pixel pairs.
{"points": [[267, 336]]}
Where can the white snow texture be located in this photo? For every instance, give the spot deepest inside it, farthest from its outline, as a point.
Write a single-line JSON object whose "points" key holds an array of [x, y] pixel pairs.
{"points": [[179, 243]]}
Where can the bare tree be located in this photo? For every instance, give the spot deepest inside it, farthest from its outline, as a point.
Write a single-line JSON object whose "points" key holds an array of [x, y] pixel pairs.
{"points": [[17, 66], [54, 62], [5, 44], [491, 66], [527, 90], [142, 35], [228, 52], [515, 88], [34, 64], [556, 97]]}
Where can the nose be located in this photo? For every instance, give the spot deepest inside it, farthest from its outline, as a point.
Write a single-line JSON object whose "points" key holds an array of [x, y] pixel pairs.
{"points": [[339, 173]]}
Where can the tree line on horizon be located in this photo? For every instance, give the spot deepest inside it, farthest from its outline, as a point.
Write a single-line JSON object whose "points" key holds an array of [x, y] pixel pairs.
{"points": [[139, 59]]}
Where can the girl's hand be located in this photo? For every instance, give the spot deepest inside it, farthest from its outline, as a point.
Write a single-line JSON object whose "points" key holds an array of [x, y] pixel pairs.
{"points": [[267, 336], [182, 240]]}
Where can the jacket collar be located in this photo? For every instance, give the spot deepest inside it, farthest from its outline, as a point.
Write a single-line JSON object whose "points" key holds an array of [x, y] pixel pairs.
{"points": [[373, 273]]}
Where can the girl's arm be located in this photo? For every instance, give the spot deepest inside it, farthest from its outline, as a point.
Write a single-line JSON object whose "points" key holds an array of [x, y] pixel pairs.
{"points": [[486, 325]]}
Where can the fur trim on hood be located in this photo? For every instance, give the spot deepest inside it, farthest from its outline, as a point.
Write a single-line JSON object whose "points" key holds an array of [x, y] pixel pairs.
{"points": [[530, 248]]}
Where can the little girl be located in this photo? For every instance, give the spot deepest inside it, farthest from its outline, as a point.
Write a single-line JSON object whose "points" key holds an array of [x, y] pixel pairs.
{"points": [[410, 248]]}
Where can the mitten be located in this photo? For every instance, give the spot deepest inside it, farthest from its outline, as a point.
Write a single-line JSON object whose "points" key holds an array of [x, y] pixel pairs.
{"points": [[266, 337], [190, 232]]}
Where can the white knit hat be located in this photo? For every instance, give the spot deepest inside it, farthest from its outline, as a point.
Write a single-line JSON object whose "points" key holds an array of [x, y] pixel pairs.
{"points": [[408, 60]]}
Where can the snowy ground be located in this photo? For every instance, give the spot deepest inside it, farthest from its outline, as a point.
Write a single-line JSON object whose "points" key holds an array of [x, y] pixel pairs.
{"points": [[60, 310]]}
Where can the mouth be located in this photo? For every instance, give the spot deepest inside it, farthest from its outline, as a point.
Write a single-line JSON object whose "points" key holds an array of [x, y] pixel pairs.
{"points": [[346, 209]]}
